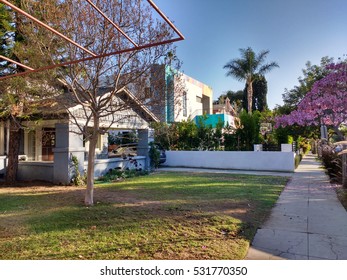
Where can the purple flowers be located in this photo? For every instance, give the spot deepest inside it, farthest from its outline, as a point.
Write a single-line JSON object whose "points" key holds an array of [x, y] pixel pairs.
{"points": [[326, 103]]}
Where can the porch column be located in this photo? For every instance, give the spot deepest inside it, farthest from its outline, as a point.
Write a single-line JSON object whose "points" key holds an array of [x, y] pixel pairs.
{"points": [[67, 144], [145, 137]]}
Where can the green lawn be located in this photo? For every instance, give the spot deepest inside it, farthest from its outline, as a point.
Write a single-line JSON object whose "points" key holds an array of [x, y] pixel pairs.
{"points": [[160, 216]]}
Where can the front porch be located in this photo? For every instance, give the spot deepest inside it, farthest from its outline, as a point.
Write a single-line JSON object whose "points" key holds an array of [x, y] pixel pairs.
{"points": [[44, 170], [47, 150]]}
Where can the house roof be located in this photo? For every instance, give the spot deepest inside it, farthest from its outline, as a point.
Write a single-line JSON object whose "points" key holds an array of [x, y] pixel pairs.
{"points": [[59, 105], [136, 105]]}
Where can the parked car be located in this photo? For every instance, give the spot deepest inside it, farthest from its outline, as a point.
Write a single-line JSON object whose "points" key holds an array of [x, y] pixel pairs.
{"points": [[162, 152]]}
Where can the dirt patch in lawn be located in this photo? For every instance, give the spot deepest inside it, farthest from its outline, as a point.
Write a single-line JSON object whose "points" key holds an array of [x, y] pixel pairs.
{"points": [[61, 196], [155, 217]]}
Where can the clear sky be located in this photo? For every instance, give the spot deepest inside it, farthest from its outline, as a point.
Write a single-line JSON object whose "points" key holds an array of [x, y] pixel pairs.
{"points": [[294, 31]]}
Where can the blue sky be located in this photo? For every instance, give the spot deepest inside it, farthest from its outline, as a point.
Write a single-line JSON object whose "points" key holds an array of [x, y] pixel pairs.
{"points": [[295, 31]]}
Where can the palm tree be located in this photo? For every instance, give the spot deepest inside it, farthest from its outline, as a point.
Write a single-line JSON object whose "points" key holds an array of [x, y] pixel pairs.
{"points": [[247, 68]]}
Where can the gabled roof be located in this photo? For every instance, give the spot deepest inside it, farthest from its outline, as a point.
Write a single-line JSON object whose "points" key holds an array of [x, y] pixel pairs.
{"points": [[59, 105], [138, 107]]}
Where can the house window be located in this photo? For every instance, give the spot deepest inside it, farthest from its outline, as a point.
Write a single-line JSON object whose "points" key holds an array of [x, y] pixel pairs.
{"points": [[31, 145], [48, 144], [184, 104], [198, 99]]}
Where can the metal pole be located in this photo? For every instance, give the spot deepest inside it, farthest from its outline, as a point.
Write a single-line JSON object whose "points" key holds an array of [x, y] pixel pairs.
{"points": [[91, 58], [45, 26], [111, 22], [16, 62], [94, 56]]}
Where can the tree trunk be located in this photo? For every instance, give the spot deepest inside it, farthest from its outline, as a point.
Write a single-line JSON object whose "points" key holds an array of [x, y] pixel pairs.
{"points": [[89, 196], [93, 141], [13, 152], [249, 97]]}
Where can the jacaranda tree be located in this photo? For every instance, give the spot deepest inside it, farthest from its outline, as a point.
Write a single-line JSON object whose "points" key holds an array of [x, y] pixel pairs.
{"points": [[325, 104]]}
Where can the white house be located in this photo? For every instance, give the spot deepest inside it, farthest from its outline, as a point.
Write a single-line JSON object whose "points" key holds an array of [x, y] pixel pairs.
{"points": [[48, 146]]}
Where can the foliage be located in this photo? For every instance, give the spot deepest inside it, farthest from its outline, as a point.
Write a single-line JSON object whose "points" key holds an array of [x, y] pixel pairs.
{"points": [[209, 138], [304, 144], [326, 103], [10, 37], [293, 97], [259, 100], [154, 155], [187, 135], [311, 74], [298, 158], [283, 136], [115, 175], [165, 134], [246, 135], [233, 96], [332, 163], [21, 99], [239, 98], [247, 68], [77, 178]]}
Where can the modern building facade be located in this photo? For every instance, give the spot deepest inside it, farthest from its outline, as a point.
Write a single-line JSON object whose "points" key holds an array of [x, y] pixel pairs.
{"points": [[178, 96]]}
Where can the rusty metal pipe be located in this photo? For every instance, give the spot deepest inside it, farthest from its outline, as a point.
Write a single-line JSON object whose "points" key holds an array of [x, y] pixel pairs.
{"points": [[17, 63], [155, 7], [91, 58], [45, 26], [111, 22], [94, 56]]}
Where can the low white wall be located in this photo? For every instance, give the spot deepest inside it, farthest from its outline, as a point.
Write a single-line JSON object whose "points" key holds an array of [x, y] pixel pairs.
{"points": [[262, 161], [102, 166], [2, 164], [35, 170]]}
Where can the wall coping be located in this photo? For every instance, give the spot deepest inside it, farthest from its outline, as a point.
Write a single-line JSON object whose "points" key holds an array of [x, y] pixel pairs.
{"points": [[115, 159], [37, 163]]}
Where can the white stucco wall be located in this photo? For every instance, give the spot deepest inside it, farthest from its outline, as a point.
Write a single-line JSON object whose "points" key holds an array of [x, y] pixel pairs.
{"points": [[102, 166], [262, 161], [35, 170], [193, 90], [2, 164]]}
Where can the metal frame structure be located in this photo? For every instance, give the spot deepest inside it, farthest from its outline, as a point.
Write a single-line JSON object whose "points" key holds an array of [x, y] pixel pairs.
{"points": [[92, 56]]}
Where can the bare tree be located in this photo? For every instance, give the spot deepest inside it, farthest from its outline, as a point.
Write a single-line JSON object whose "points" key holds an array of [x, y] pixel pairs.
{"points": [[96, 86]]}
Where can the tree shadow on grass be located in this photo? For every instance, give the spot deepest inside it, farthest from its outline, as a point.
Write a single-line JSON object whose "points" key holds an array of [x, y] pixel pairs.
{"points": [[143, 216]]}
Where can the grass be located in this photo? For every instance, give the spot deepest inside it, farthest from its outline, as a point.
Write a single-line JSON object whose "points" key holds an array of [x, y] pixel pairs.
{"points": [[160, 216]]}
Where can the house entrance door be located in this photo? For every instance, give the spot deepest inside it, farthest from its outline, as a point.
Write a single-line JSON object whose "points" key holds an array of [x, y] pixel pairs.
{"points": [[48, 144]]}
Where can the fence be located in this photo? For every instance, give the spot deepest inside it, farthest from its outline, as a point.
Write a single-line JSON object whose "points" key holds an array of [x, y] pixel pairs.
{"points": [[261, 161]]}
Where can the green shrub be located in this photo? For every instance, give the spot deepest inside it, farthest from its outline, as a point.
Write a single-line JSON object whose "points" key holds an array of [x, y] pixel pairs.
{"points": [[298, 159], [77, 178], [332, 163], [246, 135], [154, 155], [118, 174]]}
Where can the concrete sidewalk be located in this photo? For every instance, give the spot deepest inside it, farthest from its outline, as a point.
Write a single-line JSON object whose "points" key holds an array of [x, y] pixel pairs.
{"points": [[307, 223]]}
